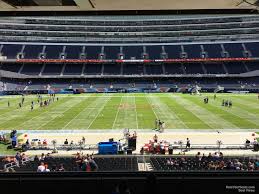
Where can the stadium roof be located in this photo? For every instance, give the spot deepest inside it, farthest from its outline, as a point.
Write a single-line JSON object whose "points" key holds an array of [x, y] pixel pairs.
{"points": [[108, 5]]}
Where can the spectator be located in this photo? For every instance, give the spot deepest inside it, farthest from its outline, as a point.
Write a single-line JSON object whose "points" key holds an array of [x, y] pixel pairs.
{"points": [[42, 157], [83, 140], [13, 139], [198, 156], [93, 165], [188, 144], [18, 158], [66, 142], [155, 138], [41, 167], [119, 145], [203, 158], [27, 143], [36, 159], [247, 143], [61, 168], [142, 151], [209, 156], [216, 156], [45, 142], [46, 168]]}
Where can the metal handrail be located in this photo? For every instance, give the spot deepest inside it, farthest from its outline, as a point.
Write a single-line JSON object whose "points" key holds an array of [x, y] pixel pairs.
{"points": [[14, 164]]}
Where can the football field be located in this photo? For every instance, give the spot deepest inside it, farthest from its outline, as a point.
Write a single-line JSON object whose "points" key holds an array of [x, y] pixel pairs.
{"points": [[133, 111]]}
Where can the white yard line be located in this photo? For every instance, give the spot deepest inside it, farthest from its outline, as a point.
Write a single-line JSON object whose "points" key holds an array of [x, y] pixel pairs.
{"points": [[166, 111], [75, 117], [248, 103], [205, 115], [152, 107], [100, 110], [188, 109], [44, 112], [67, 109], [241, 113], [118, 110], [13, 110]]}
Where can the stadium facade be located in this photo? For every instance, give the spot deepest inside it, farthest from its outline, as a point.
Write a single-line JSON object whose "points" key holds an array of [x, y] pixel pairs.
{"points": [[155, 53]]}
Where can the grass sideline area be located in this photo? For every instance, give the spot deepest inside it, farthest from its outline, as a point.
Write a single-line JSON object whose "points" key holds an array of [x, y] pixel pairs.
{"points": [[5, 152], [131, 110]]}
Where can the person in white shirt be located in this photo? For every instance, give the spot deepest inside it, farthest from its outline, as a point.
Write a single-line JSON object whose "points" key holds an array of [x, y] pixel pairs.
{"points": [[46, 168], [41, 167]]}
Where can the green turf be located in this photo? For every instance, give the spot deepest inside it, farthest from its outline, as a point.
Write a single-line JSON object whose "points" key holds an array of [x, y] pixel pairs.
{"points": [[4, 151], [134, 111]]}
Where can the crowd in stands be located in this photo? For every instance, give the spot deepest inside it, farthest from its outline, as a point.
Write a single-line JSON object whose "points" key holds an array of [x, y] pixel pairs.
{"points": [[86, 163], [16, 160], [3, 138], [214, 161], [79, 163]]}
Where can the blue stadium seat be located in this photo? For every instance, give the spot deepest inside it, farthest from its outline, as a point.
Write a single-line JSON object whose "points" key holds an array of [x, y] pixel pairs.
{"points": [[52, 69], [112, 69], [93, 52], [32, 51], [133, 51], [234, 50], [252, 66], [235, 67], [133, 69], [111, 52], [214, 68], [193, 51], [73, 69], [93, 69], [31, 69], [13, 67], [11, 50], [53, 51], [174, 68], [213, 50], [154, 69], [73, 52], [154, 52], [193, 68], [173, 51], [253, 47]]}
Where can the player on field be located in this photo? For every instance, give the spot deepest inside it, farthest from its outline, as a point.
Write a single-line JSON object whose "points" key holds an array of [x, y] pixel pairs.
{"points": [[159, 125], [188, 144], [230, 104], [162, 127], [156, 124]]}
